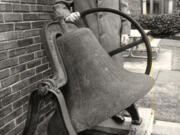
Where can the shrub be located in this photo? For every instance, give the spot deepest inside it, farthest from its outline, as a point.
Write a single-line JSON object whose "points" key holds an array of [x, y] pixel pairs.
{"points": [[161, 25]]}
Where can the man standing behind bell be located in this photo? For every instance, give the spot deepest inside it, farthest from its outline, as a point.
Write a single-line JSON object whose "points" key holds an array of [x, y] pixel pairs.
{"points": [[107, 27], [111, 29]]}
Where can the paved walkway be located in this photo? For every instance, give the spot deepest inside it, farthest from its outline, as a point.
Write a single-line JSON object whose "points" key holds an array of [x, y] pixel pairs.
{"points": [[165, 96]]}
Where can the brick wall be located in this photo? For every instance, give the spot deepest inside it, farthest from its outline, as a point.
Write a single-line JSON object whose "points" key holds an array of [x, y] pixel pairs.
{"points": [[23, 62]]}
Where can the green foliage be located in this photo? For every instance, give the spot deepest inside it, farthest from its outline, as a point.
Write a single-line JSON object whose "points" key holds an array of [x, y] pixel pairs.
{"points": [[161, 25]]}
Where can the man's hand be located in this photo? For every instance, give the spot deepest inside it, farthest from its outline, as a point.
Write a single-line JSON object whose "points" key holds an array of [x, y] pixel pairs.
{"points": [[124, 39], [73, 17]]}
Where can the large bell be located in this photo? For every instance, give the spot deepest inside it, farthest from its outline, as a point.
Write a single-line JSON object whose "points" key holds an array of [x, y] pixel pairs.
{"points": [[97, 87]]}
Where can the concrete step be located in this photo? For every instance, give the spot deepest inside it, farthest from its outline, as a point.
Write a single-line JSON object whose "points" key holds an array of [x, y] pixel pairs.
{"points": [[109, 127], [166, 128], [145, 128]]}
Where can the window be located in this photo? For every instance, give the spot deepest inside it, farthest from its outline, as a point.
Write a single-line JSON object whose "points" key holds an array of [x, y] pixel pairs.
{"points": [[158, 6]]}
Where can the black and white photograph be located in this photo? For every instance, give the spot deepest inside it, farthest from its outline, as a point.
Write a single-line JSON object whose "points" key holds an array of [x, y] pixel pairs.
{"points": [[89, 67]]}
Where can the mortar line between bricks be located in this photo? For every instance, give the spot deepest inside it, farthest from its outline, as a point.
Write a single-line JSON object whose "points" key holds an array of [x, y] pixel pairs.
{"points": [[28, 69], [20, 37], [44, 70], [17, 83], [15, 128], [9, 23], [34, 12], [8, 115], [25, 63], [23, 47], [4, 107], [11, 102], [39, 21], [7, 123], [7, 41], [49, 13], [18, 48], [7, 2], [19, 4], [39, 4], [35, 83], [12, 128], [25, 55], [21, 31], [30, 29], [24, 112], [11, 12], [41, 12], [19, 99]]}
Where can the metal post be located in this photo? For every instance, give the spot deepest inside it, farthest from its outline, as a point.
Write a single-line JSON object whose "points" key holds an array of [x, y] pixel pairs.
{"points": [[151, 6], [144, 7], [162, 6], [170, 7]]}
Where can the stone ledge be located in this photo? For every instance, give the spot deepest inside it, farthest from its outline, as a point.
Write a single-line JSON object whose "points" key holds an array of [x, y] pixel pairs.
{"points": [[145, 128]]}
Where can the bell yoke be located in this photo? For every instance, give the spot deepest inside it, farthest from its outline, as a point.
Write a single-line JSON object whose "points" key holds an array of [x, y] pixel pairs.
{"points": [[88, 86]]}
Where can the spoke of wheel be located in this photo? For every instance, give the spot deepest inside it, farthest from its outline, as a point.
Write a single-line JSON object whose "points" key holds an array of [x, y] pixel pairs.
{"points": [[124, 48]]}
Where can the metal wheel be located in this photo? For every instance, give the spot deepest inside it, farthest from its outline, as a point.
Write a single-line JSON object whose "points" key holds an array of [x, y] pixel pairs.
{"points": [[132, 110], [144, 38]]}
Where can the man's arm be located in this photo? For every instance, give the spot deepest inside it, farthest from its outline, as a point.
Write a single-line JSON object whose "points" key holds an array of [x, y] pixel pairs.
{"points": [[61, 8], [126, 25]]}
